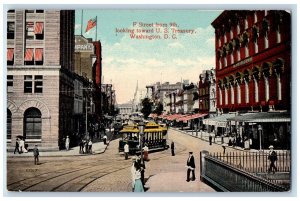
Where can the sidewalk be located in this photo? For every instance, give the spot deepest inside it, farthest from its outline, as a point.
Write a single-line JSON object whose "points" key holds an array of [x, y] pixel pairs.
{"points": [[97, 148], [161, 183]]}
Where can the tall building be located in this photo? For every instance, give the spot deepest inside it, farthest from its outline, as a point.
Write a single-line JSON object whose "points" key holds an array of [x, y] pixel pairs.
{"points": [[253, 51], [40, 57]]}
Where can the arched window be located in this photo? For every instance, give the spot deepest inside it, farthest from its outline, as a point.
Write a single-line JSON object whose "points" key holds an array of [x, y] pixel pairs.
{"points": [[246, 80], [266, 72], [32, 123], [8, 124]]}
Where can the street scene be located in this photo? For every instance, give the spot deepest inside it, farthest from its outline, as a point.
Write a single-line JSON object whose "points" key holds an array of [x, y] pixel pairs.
{"points": [[145, 101]]}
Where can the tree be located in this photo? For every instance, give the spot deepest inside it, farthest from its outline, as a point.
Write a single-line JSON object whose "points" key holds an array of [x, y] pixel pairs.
{"points": [[147, 107]]}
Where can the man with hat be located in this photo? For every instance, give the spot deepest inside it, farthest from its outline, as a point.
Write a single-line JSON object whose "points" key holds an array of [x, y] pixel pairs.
{"points": [[272, 158], [190, 167]]}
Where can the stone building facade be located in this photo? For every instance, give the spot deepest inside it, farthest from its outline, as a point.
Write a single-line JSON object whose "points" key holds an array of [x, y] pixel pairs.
{"points": [[40, 57]]}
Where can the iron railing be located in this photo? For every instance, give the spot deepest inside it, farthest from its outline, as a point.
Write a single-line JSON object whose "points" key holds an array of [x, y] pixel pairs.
{"points": [[230, 173]]}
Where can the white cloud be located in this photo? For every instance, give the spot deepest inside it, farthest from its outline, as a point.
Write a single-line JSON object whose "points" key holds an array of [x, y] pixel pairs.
{"points": [[128, 60]]}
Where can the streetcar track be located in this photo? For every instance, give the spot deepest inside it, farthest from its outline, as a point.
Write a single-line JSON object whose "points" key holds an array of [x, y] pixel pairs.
{"points": [[65, 173], [82, 175]]}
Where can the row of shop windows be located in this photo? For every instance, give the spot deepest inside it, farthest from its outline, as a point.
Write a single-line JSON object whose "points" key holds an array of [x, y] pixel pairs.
{"points": [[32, 124], [32, 84]]}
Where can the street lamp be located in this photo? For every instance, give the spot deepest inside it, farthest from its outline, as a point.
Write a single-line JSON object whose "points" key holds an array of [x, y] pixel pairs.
{"points": [[260, 133], [141, 126]]}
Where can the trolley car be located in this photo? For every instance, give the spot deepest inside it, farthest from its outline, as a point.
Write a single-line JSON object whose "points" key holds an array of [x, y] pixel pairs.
{"points": [[155, 136]]}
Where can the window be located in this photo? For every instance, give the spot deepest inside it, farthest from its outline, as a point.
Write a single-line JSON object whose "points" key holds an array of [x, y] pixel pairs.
{"points": [[35, 30], [10, 30], [255, 17], [232, 94], [238, 93], [220, 96], [38, 84], [10, 56], [34, 56], [279, 87], [246, 92], [11, 11], [267, 94], [256, 90], [8, 124], [226, 96], [246, 23], [28, 84], [10, 84], [238, 28], [32, 123], [33, 86]]}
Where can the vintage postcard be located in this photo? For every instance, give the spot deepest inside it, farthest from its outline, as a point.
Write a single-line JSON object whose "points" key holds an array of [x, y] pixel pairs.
{"points": [[148, 100]]}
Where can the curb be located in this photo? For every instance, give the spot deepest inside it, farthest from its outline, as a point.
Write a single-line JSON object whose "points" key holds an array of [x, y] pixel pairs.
{"points": [[27, 156]]}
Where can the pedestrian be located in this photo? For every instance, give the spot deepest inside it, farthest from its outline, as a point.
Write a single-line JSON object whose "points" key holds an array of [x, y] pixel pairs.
{"points": [[224, 147], [142, 167], [210, 139], [145, 152], [138, 185], [272, 158], [126, 150], [173, 148], [36, 154], [22, 146], [67, 143], [190, 167], [17, 146], [90, 144], [86, 146], [104, 138], [133, 171], [81, 144]]}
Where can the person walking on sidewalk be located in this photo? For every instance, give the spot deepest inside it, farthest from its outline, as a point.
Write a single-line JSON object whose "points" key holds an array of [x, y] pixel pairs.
{"points": [[17, 146], [138, 186], [104, 138], [36, 154], [67, 143], [90, 144], [173, 148], [190, 167], [145, 152], [126, 150], [272, 157], [210, 139], [81, 144]]}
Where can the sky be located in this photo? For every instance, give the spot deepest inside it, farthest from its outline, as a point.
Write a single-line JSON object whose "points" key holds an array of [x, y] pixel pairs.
{"points": [[127, 61]]}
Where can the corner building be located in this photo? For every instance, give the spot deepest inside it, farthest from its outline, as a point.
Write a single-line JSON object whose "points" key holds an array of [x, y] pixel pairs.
{"points": [[253, 67], [40, 54]]}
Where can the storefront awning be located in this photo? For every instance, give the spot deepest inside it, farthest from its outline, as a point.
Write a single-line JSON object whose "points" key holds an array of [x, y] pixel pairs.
{"points": [[263, 117], [182, 118], [29, 54], [173, 117], [10, 54], [39, 26], [218, 121], [38, 54]]}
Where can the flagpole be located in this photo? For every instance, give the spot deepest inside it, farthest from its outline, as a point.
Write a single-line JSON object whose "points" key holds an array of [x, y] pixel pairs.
{"points": [[81, 21], [96, 27]]}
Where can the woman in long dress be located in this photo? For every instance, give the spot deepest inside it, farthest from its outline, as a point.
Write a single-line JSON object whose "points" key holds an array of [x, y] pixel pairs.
{"points": [[22, 146], [138, 186]]}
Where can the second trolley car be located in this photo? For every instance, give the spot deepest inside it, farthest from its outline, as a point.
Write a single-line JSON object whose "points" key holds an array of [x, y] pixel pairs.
{"points": [[155, 136]]}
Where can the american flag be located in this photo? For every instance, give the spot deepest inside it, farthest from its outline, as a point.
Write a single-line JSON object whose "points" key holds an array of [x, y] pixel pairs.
{"points": [[91, 23]]}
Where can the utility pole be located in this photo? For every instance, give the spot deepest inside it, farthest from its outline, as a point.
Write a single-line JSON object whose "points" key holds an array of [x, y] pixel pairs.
{"points": [[86, 108]]}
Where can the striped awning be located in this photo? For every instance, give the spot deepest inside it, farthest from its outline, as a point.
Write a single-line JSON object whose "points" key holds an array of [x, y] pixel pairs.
{"points": [[29, 54], [38, 54], [10, 54], [39, 26]]}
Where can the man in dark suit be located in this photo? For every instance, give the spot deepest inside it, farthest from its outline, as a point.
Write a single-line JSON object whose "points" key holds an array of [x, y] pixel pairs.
{"points": [[190, 167]]}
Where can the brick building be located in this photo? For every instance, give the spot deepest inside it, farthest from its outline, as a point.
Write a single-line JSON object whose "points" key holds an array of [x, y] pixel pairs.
{"points": [[40, 57], [253, 60]]}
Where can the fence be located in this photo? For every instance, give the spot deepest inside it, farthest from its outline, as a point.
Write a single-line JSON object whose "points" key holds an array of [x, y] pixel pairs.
{"points": [[255, 162], [237, 173]]}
